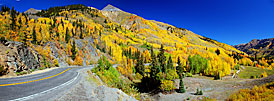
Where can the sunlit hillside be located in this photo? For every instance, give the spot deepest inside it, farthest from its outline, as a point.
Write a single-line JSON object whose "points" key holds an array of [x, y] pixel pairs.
{"points": [[146, 51]]}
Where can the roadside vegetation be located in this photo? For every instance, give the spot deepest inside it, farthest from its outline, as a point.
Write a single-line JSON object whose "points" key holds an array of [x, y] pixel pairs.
{"points": [[261, 93]]}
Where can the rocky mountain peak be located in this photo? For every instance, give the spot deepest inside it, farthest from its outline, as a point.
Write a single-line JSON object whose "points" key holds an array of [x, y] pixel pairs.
{"points": [[109, 7], [32, 11]]}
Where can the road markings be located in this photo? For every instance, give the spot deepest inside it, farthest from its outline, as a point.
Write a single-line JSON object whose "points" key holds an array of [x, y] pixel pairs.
{"points": [[35, 80], [39, 94]]}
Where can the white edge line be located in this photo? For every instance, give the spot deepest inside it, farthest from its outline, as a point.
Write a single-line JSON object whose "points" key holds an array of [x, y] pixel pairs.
{"points": [[37, 94]]}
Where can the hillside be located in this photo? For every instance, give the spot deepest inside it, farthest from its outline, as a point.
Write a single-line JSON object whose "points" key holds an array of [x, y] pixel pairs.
{"points": [[260, 48], [146, 52]]}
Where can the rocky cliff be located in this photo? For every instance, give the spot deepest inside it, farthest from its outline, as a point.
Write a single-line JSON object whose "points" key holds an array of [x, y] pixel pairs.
{"points": [[16, 57]]}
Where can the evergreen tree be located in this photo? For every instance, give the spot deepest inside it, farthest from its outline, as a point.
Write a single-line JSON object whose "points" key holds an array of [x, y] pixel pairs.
{"points": [[162, 59], [20, 21], [73, 50], [179, 68], [181, 87], [54, 21], [2, 9], [34, 40], [40, 30], [81, 34], [73, 34], [57, 35], [170, 63], [62, 22], [155, 68], [104, 50], [110, 50], [67, 37], [13, 18], [130, 53], [217, 51], [140, 66]]}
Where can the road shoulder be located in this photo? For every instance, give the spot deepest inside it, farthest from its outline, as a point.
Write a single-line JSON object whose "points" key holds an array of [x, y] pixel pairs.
{"points": [[92, 90]]}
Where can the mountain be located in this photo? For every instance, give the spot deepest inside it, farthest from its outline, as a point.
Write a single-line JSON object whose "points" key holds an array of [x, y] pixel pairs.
{"points": [[260, 48], [80, 35], [32, 11]]}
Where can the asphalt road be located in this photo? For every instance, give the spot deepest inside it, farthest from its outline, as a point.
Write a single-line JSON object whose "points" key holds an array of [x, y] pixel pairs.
{"points": [[37, 86]]}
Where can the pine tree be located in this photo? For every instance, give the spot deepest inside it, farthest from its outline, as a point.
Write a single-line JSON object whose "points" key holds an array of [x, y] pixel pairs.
{"points": [[162, 59], [217, 51], [73, 34], [170, 63], [67, 37], [181, 87], [20, 22], [155, 68], [110, 50], [140, 66], [179, 68], [13, 18], [40, 30], [130, 53], [2, 9], [34, 40], [62, 22], [81, 34], [57, 35], [73, 50]]}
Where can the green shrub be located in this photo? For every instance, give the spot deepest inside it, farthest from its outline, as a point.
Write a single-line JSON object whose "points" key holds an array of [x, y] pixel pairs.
{"points": [[56, 63], [32, 70], [171, 74], [41, 68], [112, 77], [1, 68], [167, 85], [147, 46], [48, 64], [188, 74], [160, 76], [7, 51], [21, 73], [199, 92], [138, 76], [237, 67]]}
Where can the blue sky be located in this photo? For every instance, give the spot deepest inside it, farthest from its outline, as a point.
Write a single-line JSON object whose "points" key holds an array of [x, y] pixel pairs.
{"points": [[228, 21]]}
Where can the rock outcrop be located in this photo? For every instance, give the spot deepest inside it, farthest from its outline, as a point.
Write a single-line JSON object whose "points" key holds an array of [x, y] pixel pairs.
{"points": [[16, 57]]}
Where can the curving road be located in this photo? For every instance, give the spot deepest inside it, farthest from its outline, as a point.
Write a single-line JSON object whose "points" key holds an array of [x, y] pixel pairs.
{"points": [[43, 86]]}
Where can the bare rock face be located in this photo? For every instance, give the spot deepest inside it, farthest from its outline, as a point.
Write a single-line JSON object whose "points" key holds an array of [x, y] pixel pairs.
{"points": [[16, 57]]}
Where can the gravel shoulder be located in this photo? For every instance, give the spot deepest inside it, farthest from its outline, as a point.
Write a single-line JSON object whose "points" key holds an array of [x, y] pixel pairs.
{"points": [[90, 88]]}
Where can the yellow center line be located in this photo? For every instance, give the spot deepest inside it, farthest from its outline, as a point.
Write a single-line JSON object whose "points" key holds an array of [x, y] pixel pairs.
{"points": [[35, 80]]}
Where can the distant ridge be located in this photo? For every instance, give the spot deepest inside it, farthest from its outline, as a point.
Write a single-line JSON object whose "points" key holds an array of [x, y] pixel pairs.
{"points": [[262, 47]]}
